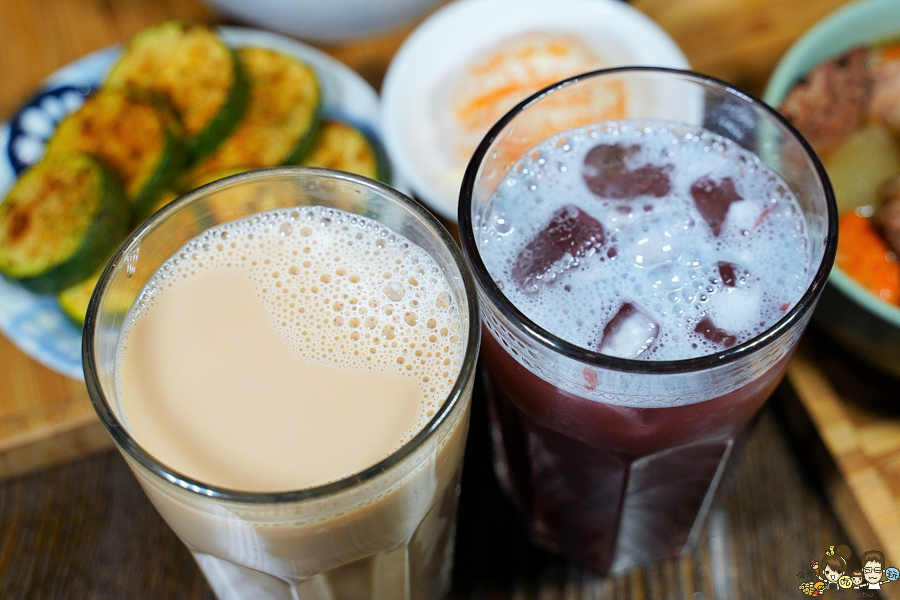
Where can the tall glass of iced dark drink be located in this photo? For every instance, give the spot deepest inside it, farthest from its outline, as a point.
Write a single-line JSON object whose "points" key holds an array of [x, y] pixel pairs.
{"points": [[645, 273]]}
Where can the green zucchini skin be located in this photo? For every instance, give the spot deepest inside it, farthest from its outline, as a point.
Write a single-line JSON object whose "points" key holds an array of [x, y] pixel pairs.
{"points": [[227, 119], [282, 118], [169, 168], [306, 145], [108, 226]]}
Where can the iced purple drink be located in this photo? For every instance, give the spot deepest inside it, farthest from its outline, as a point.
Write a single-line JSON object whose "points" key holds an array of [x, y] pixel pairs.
{"points": [[643, 284], [646, 240]]}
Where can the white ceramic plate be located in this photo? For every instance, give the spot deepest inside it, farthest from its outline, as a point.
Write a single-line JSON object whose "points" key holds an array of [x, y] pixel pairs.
{"points": [[35, 323], [450, 39]]}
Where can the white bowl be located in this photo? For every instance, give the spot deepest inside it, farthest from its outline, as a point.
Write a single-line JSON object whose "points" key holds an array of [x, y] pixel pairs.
{"points": [[456, 35], [325, 20]]}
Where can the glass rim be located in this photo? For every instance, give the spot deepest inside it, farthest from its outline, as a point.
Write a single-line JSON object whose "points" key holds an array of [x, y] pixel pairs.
{"points": [[492, 292], [129, 445]]}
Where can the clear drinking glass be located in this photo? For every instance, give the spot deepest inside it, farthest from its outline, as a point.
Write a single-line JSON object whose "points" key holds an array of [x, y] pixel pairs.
{"points": [[384, 533], [615, 461]]}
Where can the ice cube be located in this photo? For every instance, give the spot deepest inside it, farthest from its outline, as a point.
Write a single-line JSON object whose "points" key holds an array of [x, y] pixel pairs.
{"points": [[630, 333], [737, 309], [570, 235], [713, 200], [655, 239], [708, 329], [744, 215], [608, 173]]}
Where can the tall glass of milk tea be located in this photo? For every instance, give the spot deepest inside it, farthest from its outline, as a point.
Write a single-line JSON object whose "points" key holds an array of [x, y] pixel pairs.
{"points": [[648, 246], [285, 360]]}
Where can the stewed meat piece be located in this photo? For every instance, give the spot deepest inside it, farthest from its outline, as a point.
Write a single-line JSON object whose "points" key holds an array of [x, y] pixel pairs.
{"points": [[832, 101]]}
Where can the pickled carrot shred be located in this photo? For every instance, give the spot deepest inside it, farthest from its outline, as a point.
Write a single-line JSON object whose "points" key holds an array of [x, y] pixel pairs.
{"points": [[864, 256]]}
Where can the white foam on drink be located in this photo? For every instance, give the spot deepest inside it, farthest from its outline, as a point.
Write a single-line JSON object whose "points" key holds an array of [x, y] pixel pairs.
{"points": [[659, 253], [341, 289]]}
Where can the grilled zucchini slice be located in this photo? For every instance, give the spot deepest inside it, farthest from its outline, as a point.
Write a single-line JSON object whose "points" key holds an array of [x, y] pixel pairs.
{"points": [[224, 205], [165, 198], [210, 176], [282, 118], [137, 138], [343, 147], [74, 300], [60, 220], [189, 66]]}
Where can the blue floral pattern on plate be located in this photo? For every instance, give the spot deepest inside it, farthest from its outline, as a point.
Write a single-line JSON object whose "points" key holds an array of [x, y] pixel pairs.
{"points": [[35, 122], [35, 323]]}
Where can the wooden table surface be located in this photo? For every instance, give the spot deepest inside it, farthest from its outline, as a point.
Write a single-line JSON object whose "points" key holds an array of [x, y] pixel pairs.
{"points": [[85, 530]]}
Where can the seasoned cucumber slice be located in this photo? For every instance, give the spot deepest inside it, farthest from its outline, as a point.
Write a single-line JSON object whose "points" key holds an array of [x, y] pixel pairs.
{"points": [[345, 148], [282, 117], [189, 66], [59, 221], [138, 139]]}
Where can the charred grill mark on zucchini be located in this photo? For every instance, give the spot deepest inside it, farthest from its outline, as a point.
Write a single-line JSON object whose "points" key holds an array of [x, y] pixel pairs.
{"points": [[345, 148], [59, 222], [138, 139], [189, 66], [282, 117]]}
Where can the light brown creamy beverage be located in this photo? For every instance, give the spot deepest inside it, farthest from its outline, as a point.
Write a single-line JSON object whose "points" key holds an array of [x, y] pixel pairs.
{"points": [[288, 350], [291, 388]]}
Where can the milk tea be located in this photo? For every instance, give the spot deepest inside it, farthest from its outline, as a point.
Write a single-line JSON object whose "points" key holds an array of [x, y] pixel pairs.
{"points": [[286, 351]]}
